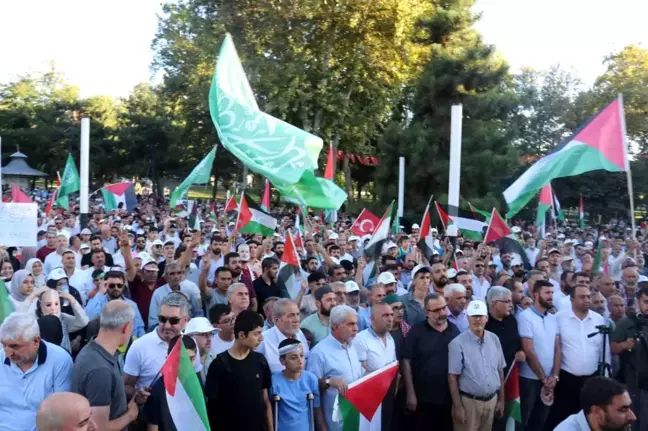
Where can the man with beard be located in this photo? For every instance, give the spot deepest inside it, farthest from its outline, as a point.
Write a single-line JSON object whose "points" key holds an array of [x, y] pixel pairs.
{"points": [[278, 249], [425, 367], [455, 295], [517, 295], [266, 285], [531, 250], [140, 244], [409, 262], [233, 262], [96, 244], [376, 294], [505, 262], [555, 264], [318, 323], [112, 289], [480, 282], [541, 344], [216, 245], [414, 301], [439, 273], [517, 269], [606, 405], [466, 280], [285, 315]]}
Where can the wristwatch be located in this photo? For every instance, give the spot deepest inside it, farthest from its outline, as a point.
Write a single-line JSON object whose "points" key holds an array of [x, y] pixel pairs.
{"points": [[555, 377], [328, 382]]}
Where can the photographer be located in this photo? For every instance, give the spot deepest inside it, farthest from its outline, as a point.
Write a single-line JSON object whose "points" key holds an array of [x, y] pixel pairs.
{"points": [[630, 341]]}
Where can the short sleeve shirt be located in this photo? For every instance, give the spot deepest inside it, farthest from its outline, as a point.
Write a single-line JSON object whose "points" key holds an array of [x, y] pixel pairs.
{"points": [[293, 408]]}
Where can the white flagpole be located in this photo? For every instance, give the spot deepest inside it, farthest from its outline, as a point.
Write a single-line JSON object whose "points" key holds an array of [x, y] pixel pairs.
{"points": [[454, 180], [401, 188], [627, 165], [1, 194], [85, 170]]}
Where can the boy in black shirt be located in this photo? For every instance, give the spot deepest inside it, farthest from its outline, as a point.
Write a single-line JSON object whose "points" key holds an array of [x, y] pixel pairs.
{"points": [[238, 381]]}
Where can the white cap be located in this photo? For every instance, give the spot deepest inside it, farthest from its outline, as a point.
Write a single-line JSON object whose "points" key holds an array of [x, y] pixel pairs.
{"points": [[387, 246], [416, 226], [548, 235], [554, 250], [86, 231], [602, 238], [198, 325], [147, 261], [567, 258], [334, 236], [561, 236], [434, 230], [354, 238], [351, 286], [569, 241], [516, 229], [516, 262], [157, 242], [589, 244], [476, 308], [144, 256], [386, 278], [452, 273], [417, 268], [57, 274], [85, 246]]}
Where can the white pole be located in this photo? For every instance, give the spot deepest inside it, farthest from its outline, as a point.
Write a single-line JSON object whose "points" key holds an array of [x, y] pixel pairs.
{"points": [[1, 195], [627, 166], [85, 164], [401, 187], [454, 179]]}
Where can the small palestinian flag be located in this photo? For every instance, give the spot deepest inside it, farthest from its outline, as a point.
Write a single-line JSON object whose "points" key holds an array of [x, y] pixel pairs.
{"points": [[479, 213], [290, 270], [426, 241], [119, 195], [512, 395], [557, 210], [380, 234], [213, 213], [231, 207], [499, 233], [184, 394], [6, 307], [465, 221], [253, 220], [544, 204], [360, 408], [581, 213], [18, 196]]}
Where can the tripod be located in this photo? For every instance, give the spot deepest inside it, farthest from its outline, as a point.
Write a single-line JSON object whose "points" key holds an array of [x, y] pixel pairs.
{"points": [[603, 366]]}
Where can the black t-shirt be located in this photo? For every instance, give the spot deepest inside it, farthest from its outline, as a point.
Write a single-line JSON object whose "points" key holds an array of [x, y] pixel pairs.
{"points": [[234, 391], [427, 349], [263, 292], [156, 410], [509, 337], [86, 260]]}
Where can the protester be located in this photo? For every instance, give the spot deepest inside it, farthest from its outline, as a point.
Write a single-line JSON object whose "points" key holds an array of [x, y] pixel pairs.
{"points": [[319, 323], [65, 411], [201, 330], [222, 319], [413, 302], [456, 298]]}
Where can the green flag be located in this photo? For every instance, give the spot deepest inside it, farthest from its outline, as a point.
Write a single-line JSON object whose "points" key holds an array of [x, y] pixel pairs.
{"points": [[70, 183], [6, 307], [284, 154], [200, 175]]}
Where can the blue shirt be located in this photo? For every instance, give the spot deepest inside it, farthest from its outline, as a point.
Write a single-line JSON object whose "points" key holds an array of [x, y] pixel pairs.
{"points": [[364, 318], [158, 296], [21, 393], [460, 321], [331, 359], [294, 412], [96, 304]]}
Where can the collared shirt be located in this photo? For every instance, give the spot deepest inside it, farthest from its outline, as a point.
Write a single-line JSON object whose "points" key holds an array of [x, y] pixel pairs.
{"points": [[413, 310], [332, 359], [542, 329], [406, 277], [427, 350], [480, 287], [269, 347], [580, 354], [507, 332], [319, 329], [96, 304], [575, 422], [532, 254], [21, 393], [161, 292], [293, 408], [558, 298], [145, 358], [477, 362], [364, 318], [373, 350], [460, 321]]}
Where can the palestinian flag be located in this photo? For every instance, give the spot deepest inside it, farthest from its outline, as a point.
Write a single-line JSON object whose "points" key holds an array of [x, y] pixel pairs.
{"points": [[426, 241], [512, 396], [253, 220], [231, 207], [544, 204], [299, 242], [465, 221], [54, 197], [290, 270], [360, 408], [499, 233], [477, 212], [557, 210], [599, 144], [119, 195], [6, 307], [18, 196], [380, 234], [265, 200], [581, 213], [213, 213], [194, 217], [184, 394]]}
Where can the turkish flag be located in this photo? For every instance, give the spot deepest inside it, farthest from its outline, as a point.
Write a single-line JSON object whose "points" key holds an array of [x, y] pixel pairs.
{"points": [[365, 223]]}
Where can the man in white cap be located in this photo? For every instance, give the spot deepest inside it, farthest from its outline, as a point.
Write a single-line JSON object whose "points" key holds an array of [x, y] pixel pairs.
{"points": [[475, 372], [415, 230], [202, 331]]}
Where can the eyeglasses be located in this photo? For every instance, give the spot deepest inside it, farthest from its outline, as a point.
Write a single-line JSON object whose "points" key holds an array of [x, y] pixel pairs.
{"points": [[115, 285], [171, 320], [436, 310]]}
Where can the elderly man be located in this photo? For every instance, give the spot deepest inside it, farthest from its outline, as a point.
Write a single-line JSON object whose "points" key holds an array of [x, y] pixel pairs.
{"points": [[476, 374], [480, 282], [285, 314], [65, 411], [238, 297], [335, 362], [319, 324], [31, 370], [425, 367], [455, 295], [376, 294], [173, 274]]}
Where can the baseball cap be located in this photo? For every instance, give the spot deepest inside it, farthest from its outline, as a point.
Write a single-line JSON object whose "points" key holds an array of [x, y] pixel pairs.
{"points": [[198, 325], [84, 247], [334, 236], [387, 246], [554, 250], [567, 258], [386, 278], [602, 238], [416, 226], [516, 262], [569, 241], [476, 308], [516, 229], [57, 274], [561, 236], [354, 238], [157, 242], [589, 244], [419, 267], [351, 286], [86, 231]]}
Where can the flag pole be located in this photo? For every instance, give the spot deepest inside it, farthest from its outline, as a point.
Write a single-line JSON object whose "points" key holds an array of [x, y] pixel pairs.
{"points": [[454, 180], [427, 209], [1, 194], [85, 170], [627, 165], [401, 188]]}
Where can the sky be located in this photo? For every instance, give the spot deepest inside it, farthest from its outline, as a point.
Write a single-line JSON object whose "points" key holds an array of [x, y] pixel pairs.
{"points": [[104, 47]]}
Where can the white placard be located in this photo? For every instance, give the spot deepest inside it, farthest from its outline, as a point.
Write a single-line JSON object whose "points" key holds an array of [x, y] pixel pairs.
{"points": [[18, 224]]}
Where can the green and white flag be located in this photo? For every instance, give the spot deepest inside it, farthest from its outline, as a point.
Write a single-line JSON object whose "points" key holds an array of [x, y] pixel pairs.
{"points": [[200, 175], [284, 154], [70, 183], [558, 212]]}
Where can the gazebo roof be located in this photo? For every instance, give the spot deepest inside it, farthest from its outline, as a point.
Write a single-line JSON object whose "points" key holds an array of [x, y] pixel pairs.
{"points": [[18, 166]]}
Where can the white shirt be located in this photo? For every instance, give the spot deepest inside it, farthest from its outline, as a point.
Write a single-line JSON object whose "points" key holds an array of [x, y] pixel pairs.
{"points": [[532, 254], [219, 345], [269, 347], [371, 349], [480, 288], [53, 260], [542, 330], [82, 283], [580, 354], [559, 298]]}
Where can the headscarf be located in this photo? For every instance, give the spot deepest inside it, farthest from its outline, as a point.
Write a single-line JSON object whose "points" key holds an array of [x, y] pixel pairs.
{"points": [[27, 253], [39, 280], [16, 283], [51, 329]]}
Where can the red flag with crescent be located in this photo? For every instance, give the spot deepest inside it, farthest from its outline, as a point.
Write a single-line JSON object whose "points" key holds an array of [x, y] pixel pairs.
{"points": [[365, 223]]}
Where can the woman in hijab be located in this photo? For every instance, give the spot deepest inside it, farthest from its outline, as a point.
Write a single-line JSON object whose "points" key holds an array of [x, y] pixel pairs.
{"points": [[35, 267], [51, 329], [26, 254], [23, 292], [6, 273], [50, 304]]}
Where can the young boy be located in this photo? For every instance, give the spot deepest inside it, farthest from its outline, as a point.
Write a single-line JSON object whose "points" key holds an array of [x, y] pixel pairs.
{"points": [[238, 381], [293, 385]]}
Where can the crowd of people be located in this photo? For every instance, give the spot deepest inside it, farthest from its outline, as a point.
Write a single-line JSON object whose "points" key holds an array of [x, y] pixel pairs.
{"points": [[98, 309]]}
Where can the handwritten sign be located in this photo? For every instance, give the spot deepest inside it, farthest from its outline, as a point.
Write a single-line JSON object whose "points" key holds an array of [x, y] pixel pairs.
{"points": [[18, 224]]}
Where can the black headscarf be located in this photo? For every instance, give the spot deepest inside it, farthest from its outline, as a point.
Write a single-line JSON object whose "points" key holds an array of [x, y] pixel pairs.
{"points": [[51, 329]]}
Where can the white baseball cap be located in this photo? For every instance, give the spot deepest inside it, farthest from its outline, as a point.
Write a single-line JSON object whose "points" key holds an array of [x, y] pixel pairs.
{"points": [[416, 226], [57, 274], [516, 262], [516, 229], [199, 325], [157, 242], [386, 278], [351, 286], [419, 267], [334, 236], [86, 231], [354, 238], [476, 308]]}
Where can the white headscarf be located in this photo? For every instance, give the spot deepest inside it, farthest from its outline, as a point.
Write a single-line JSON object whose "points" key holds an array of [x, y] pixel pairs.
{"points": [[39, 280]]}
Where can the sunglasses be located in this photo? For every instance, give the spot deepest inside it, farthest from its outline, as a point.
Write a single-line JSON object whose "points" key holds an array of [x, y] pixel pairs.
{"points": [[115, 285], [171, 320]]}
